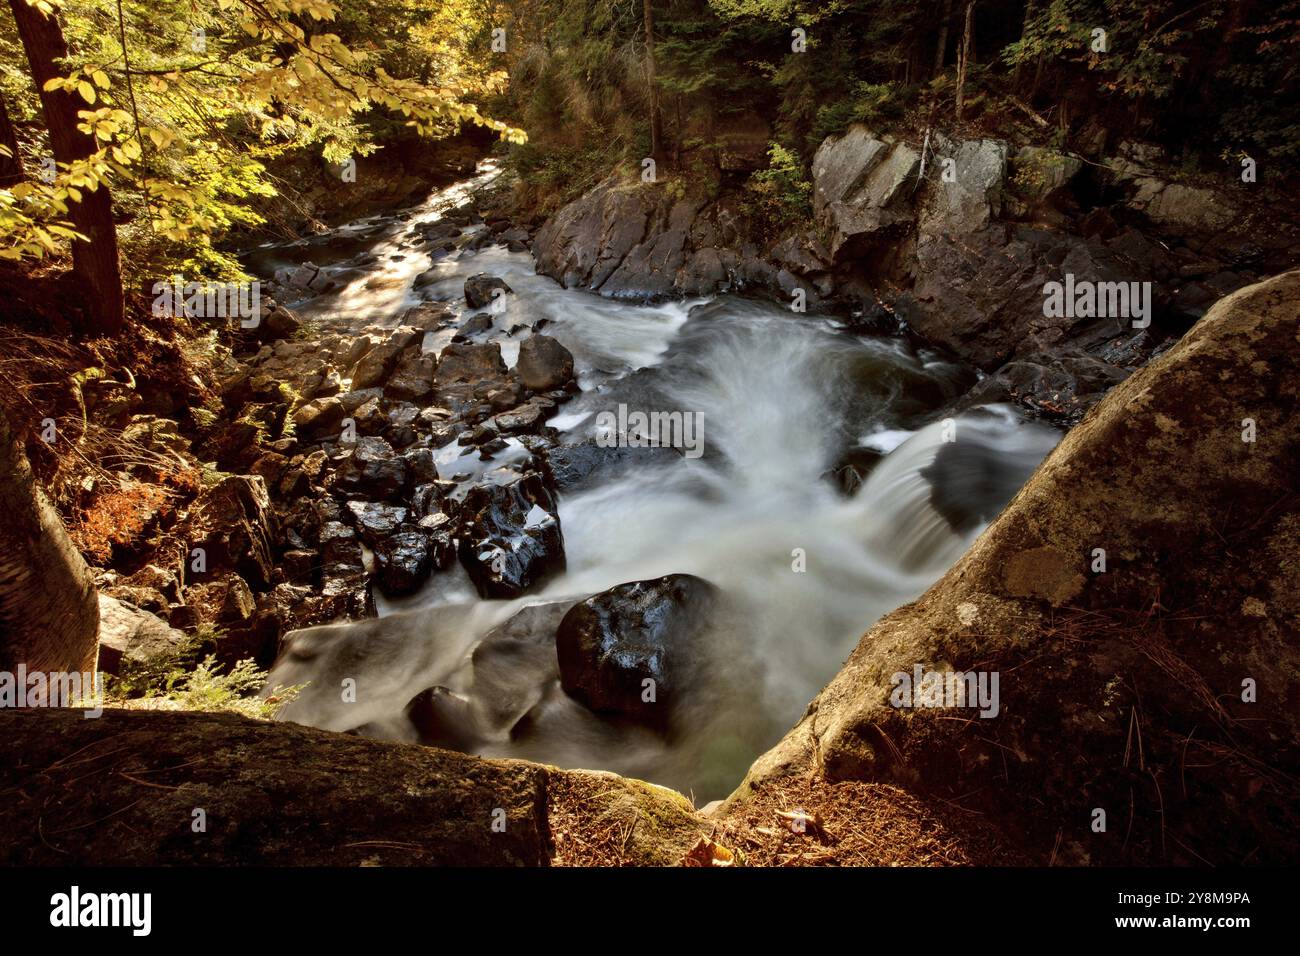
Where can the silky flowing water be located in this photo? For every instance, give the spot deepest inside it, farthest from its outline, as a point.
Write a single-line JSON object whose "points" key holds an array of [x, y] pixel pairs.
{"points": [[804, 567]]}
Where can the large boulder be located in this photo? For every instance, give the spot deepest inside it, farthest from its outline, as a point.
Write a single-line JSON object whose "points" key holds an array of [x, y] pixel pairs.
{"points": [[544, 364], [631, 650], [266, 787], [640, 241], [969, 187], [862, 186], [132, 636], [572, 467], [981, 294], [583, 243], [1138, 603], [469, 363]]}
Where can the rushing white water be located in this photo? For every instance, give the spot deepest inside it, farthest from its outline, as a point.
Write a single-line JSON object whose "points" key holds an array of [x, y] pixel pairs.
{"points": [[805, 569]]}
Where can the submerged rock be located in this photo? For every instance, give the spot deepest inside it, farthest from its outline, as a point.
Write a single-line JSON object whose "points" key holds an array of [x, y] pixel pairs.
{"points": [[629, 650]]}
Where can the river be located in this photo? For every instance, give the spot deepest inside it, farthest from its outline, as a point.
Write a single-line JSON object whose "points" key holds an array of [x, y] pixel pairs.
{"points": [[805, 568]]}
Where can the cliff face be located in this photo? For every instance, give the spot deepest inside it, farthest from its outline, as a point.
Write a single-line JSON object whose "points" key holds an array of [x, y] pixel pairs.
{"points": [[1161, 690]]}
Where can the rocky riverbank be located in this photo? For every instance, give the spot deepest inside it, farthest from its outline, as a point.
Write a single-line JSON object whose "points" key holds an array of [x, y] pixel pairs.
{"points": [[326, 487], [955, 241], [1157, 691]]}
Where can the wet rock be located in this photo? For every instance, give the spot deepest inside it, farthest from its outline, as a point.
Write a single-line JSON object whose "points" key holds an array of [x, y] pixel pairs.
{"points": [[344, 594], [470, 363], [403, 562], [474, 325], [339, 545], [445, 719], [510, 537], [412, 377], [981, 295], [400, 426], [630, 650], [491, 447], [421, 466], [572, 467], [373, 468], [481, 290], [299, 565], [375, 520], [467, 373], [853, 467], [525, 418], [1062, 385], [428, 316], [427, 499], [544, 363]]}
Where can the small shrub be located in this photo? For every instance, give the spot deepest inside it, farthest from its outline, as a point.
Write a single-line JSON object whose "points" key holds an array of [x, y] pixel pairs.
{"points": [[175, 682], [779, 196]]}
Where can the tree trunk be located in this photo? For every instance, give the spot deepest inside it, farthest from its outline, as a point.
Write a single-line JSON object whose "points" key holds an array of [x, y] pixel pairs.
{"points": [[656, 121], [1031, 9], [95, 261], [943, 36], [49, 608], [11, 166], [963, 57]]}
